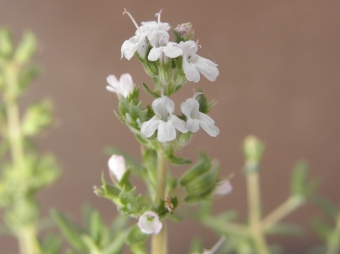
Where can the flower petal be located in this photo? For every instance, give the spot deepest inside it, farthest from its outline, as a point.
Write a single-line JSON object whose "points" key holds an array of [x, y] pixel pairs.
{"points": [[206, 67], [193, 125], [210, 128], [171, 50], [190, 70], [149, 223], [154, 54], [148, 128], [178, 123], [166, 131], [163, 106], [117, 166]]}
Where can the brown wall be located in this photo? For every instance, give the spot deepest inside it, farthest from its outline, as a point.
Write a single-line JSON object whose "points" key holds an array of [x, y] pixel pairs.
{"points": [[279, 65]]}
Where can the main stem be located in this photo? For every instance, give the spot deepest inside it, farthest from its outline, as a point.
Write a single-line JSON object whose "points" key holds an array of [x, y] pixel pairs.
{"points": [[26, 235], [159, 241], [254, 204]]}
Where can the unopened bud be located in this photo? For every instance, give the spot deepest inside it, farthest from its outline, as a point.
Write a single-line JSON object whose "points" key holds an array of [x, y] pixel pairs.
{"points": [[117, 166], [149, 223], [253, 149], [185, 30]]}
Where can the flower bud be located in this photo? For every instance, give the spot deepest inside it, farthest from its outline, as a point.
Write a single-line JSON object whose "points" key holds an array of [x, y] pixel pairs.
{"points": [[117, 166], [185, 30], [222, 188], [149, 223], [253, 149]]}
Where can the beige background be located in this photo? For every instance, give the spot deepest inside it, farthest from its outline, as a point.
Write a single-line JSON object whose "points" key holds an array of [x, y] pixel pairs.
{"points": [[279, 79]]}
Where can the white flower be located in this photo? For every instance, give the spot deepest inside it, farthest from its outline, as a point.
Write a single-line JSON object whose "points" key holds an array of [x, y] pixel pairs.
{"points": [[164, 121], [138, 42], [117, 166], [194, 64], [195, 119], [222, 188], [149, 223], [122, 87], [159, 40]]}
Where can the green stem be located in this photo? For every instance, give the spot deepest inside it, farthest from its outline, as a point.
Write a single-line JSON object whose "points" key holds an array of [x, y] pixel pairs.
{"points": [[26, 234], [254, 204], [159, 241], [333, 243], [282, 211]]}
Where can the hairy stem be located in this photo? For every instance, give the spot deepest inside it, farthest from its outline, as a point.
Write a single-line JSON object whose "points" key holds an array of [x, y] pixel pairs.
{"points": [[254, 204], [26, 234], [159, 241]]}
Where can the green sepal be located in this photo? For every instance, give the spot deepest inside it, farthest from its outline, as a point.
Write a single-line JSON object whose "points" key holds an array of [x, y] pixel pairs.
{"points": [[135, 236], [202, 101], [177, 161], [183, 138], [203, 165], [6, 43], [165, 73], [178, 37], [69, 230], [125, 181], [202, 186], [26, 48], [161, 210], [132, 204], [108, 191], [149, 92]]}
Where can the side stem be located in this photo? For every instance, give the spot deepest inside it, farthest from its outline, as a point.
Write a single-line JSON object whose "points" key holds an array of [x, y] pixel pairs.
{"points": [[254, 204], [159, 241]]}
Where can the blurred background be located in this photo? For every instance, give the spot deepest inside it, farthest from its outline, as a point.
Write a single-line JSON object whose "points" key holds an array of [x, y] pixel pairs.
{"points": [[279, 65]]}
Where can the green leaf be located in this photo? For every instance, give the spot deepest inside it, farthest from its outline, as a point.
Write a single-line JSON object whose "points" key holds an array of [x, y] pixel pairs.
{"points": [[27, 47], [322, 229], [300, 184], [51, 244], [325, 205], [285, 229], [27, 75], [96, 227], [203, 165], [149, 92], [116, 244], [135, 236], [177, 161], [69, 230], [6, 43], [37, 118]]}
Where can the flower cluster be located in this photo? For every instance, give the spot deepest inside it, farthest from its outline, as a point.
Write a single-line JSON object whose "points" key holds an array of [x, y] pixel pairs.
{"points": [[154, 34], [166, 122]]}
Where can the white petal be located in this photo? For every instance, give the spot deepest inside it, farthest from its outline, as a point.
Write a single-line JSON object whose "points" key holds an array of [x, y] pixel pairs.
{"points": [[211, 129], [171, 50], [166, 131], [117, 166], [111, 89], [205, 118], [112, 80], [179, 124], [189, 47], [149, 223], [163, 106], [190, 71], [154, 54], [223, 188], [126, 84], [193, 125], [206, 67], [148, 128], [157, 37], [142, 47], [190, 108]]}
